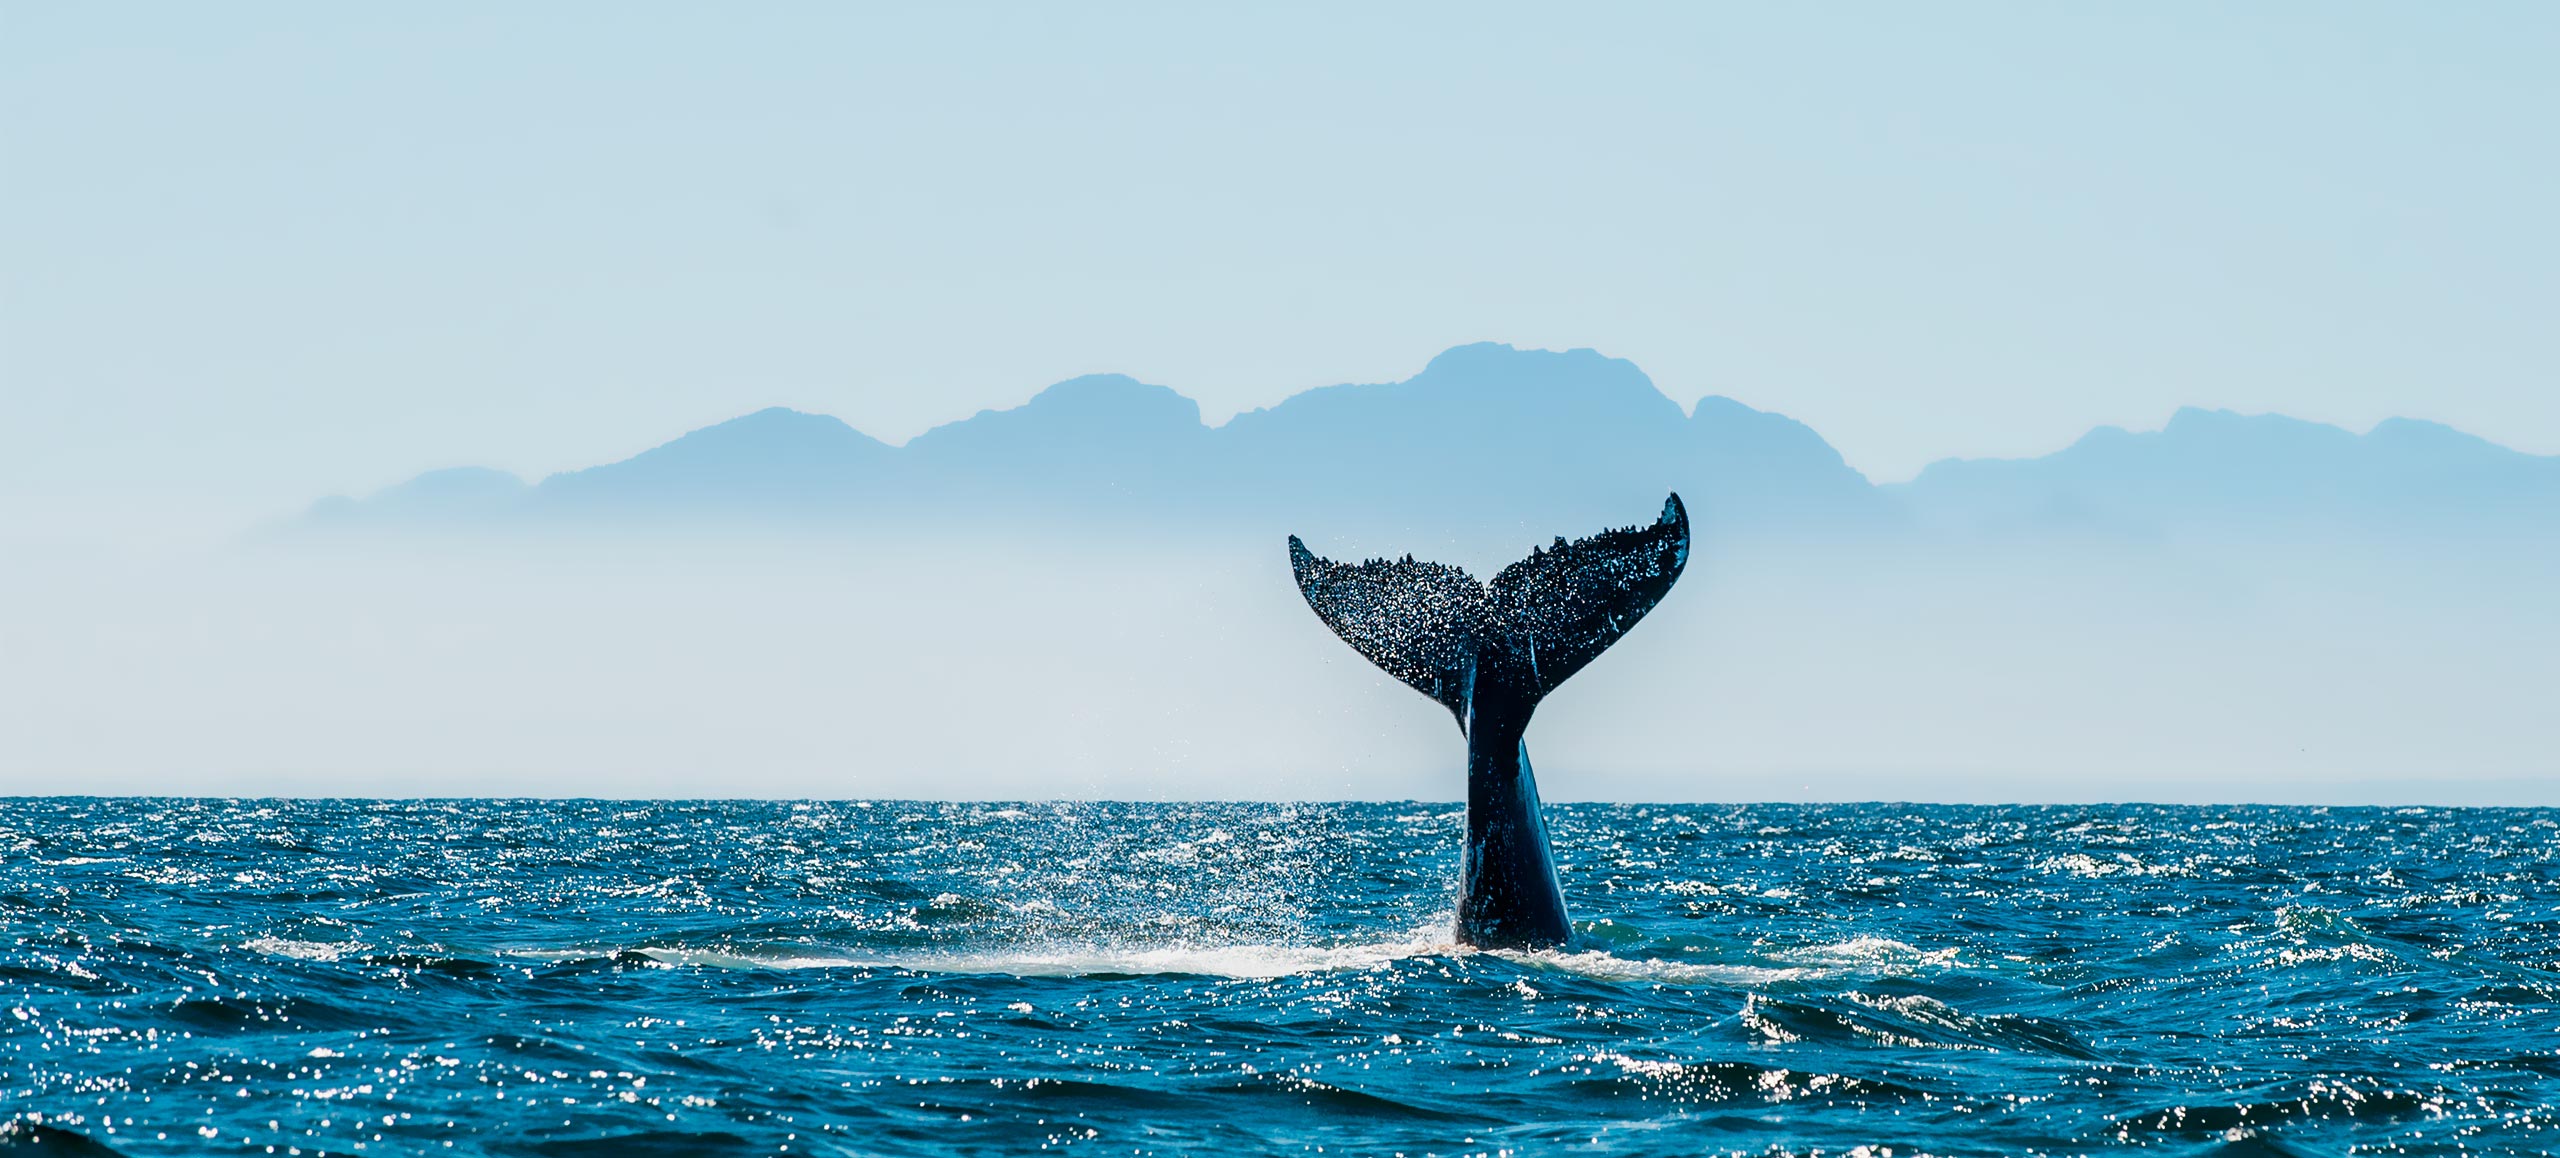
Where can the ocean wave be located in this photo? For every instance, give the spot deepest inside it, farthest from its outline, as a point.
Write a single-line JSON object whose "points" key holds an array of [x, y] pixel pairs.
{"points": [[703, 977], [648, 1144], [1242, 961], [1733, 1081], [1251, 960], [304, 950], [51, 1141], [1604, 966], [2366, 1100]]}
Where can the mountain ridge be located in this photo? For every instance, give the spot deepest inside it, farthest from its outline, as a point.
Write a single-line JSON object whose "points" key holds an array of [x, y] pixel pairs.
{"points": [[1547, 437]]}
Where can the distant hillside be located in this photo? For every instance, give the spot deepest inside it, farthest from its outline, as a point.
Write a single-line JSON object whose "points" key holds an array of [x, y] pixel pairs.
{"points": [[1541, 442], [770, 458], [1488, 444], [2217, 471]]}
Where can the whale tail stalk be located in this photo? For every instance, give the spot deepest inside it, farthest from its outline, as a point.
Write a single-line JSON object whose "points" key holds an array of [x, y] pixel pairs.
{"points": [[1489, 652]]}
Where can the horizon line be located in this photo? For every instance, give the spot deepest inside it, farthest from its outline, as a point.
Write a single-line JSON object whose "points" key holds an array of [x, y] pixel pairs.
{"points": [[2551, 787]]}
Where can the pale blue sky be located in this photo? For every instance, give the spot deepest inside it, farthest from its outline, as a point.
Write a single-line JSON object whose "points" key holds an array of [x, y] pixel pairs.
{"points": [[251, 254]]}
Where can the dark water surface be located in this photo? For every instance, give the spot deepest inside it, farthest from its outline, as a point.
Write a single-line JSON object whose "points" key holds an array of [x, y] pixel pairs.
{"points": [[575, 978]]}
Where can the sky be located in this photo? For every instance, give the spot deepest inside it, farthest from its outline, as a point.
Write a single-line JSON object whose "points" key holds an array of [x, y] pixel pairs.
{"points": [[253, 256]]}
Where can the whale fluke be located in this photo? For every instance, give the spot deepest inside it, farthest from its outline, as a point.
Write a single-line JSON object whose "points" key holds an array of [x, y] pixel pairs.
{"points": [[1489, 653], [1438, 629]]}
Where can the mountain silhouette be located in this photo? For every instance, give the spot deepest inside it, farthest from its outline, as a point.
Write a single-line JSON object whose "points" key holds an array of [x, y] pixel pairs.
{"points": [[1100, 443], [1494, 445], [772, 460], [455, 494], [2214, 470]]}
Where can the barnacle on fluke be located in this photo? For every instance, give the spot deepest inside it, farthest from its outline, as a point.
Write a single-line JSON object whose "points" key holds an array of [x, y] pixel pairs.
{"points": [[1489, 653]]}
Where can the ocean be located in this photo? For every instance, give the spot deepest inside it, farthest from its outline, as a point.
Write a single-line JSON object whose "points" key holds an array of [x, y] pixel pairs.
{"points": [[905, 978]]}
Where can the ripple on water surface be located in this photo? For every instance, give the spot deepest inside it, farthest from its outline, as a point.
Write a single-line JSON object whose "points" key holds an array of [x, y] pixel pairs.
{"points": [[565, 978]]}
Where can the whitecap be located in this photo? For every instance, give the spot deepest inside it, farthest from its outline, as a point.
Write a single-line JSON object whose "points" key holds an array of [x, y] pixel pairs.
{"points": [[1871, 953], [1601, 966], [1236, 961], [303, 950]]}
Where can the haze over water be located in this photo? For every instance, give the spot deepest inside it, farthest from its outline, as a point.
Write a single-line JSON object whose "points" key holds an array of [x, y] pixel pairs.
{"points": [[520, 977]]}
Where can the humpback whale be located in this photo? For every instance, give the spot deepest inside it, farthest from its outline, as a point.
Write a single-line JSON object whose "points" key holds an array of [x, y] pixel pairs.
{"points": [[1489, 653]]}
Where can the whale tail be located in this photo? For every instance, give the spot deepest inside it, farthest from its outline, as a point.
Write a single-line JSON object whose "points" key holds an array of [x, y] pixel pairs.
{"points": [[1489, 652], [1442, 632]]}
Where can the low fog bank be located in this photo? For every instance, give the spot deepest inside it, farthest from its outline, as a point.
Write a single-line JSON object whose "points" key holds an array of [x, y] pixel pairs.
{"points": [[994, 664]]}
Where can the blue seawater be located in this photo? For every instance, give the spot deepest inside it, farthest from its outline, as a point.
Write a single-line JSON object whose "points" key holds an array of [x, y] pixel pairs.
{"points": [[897, 978]]}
